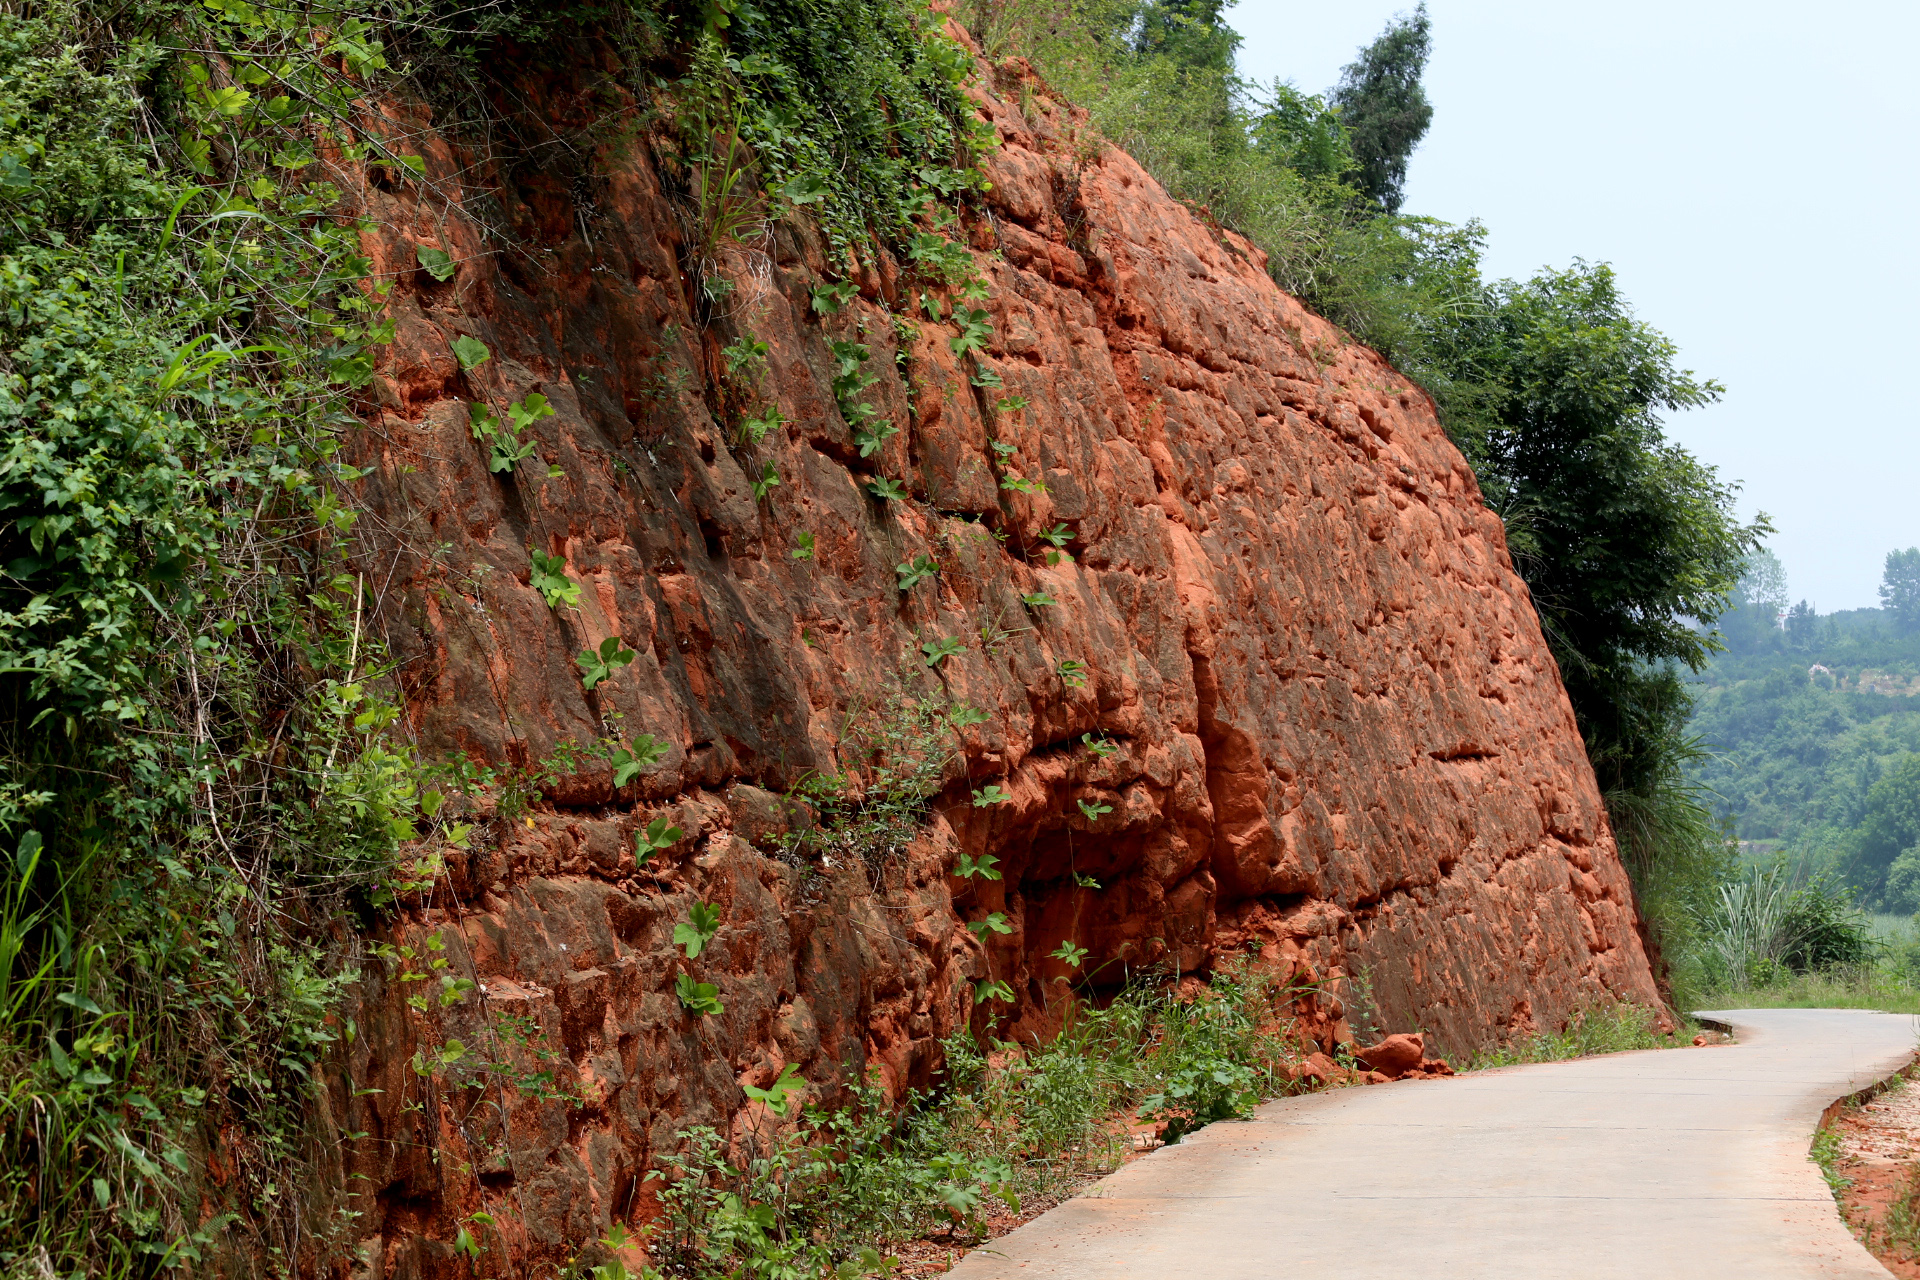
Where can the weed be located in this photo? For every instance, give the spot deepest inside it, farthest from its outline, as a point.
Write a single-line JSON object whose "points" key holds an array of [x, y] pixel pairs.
{"points": [[938, 651], [983, 867], [693, 933], [701, 999], [658, 835], [597, 665], [755, 429], [802, 546], [912, 573], [1599, 1029], [887, 490], [471, 353], [549, 577], [744, 354], [1826, 1153]]}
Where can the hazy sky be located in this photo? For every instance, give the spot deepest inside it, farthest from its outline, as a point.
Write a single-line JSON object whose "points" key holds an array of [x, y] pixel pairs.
{"points": [[1748, 169]]}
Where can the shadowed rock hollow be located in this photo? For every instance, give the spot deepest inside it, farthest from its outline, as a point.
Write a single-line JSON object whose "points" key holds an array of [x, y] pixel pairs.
{"points": [[1341, 743]]}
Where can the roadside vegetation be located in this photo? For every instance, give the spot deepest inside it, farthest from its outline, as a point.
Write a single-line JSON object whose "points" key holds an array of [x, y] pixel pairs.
{"points": [[208, 790]]}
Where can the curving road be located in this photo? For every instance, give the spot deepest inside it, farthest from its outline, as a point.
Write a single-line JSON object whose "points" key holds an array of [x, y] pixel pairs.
{"points": [[1676, 1162]]}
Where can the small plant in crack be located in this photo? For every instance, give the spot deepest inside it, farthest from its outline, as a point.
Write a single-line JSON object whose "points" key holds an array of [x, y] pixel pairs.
{"points": [[702, 999], [996, 922], [549, 578], [658, 835], [756, 428], [828, 299], [938, 651], [990, 794], [1093, 811], [693, 933], [744, 355], [597, 665], [913, 572], [983, 866]]}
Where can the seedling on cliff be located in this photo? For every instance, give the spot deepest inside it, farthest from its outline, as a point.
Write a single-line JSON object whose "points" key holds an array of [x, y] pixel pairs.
{"points": [[743, 354], [660, 834], [1093, 811], [756, 428], [1099, 746], [1036, 599], [438, 262], [963, 715], [802, 546], [995, 990], [631, 763], [782, 1094], [1071, 954], [913, 572], [1059, 535], [887, 490], [975, 328], [829, 298], [992, 794], [549, 578], [940, 650], [1073, 672], [596, 666], [697, 929], [698, 998], [995, 923], [874, 436], [970, 867], [769, 478], [470, 352]]}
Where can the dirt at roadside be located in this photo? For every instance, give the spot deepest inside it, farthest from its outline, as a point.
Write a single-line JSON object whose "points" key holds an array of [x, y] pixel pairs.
{"points": [[1875, 1152]]}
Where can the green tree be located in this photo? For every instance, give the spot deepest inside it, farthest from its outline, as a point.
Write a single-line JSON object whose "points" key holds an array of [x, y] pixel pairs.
{"points": [[1628, 542], [1890, 828], [1189, 32], [1900, 589], [1751, 623], [1802, 627], [1384, 107]]}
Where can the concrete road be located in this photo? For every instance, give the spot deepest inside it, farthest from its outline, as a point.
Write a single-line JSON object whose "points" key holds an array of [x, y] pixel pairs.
{"points": [[1677, 1162]]}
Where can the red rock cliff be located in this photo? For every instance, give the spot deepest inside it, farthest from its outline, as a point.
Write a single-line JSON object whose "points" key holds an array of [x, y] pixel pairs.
{"points": [[1341, 741]]}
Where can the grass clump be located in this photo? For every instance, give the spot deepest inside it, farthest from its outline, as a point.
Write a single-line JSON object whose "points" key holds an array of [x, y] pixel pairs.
{"points": [[1609, 1028]]}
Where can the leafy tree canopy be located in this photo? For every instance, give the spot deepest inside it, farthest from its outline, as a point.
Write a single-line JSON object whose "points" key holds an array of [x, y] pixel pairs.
{"points": [[1384, 107], [1900, 588]]}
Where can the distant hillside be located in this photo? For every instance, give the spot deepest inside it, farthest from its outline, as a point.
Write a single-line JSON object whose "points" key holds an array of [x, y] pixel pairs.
{"points": [[1804, 720]]}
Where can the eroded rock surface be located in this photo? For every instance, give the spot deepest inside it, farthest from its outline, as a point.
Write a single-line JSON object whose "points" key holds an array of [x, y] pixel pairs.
{"points": [[1340, 744]]}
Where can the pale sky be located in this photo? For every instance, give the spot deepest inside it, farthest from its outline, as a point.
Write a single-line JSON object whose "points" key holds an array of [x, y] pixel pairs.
{"points": [[1748, 169]]}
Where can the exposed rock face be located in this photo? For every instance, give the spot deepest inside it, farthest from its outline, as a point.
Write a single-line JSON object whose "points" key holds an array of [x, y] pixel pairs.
{"points": [[1340, 741]]}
